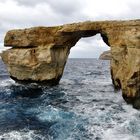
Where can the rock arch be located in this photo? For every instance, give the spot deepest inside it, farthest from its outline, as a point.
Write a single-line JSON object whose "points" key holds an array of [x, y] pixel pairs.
{"points": [[39, 54]]}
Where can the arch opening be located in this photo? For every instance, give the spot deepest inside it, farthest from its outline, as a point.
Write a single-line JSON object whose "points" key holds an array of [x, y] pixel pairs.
{"points": [[90, 46]]}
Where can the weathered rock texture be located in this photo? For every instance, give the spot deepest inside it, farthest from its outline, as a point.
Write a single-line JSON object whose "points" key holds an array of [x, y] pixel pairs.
{"points": [[39, 54], [106, 55]]}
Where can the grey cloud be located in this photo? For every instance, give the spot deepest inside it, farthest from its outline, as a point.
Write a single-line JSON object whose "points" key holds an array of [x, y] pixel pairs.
{"points": [[30, 2], [134, 10], [66, 10], [66, 7]]}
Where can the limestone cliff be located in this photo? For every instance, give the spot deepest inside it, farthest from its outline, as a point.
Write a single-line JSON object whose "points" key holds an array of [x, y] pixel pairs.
{"points": [[39, 54], [106, 55]]}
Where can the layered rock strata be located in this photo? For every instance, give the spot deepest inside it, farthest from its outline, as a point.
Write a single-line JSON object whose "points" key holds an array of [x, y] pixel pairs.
{"points": [[106, 55], [39, 54]]}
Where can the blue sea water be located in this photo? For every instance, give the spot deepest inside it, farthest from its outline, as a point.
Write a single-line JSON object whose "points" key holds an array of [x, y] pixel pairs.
{"points": [[84, 106]]}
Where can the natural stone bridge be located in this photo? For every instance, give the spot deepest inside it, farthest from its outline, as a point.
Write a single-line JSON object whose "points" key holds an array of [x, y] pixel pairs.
{"points": [[39, 54]]}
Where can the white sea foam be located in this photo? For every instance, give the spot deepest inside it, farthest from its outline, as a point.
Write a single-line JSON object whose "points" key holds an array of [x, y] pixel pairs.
{"points": [[6, 82], [114, 135], [21, 135], [129, 129]]}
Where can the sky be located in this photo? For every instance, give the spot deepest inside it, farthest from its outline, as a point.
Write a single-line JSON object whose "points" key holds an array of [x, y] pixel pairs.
{"points": [[15, 14]]}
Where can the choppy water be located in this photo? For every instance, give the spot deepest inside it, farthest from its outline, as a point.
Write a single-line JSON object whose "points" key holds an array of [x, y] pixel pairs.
{"points": [[83, 107]]}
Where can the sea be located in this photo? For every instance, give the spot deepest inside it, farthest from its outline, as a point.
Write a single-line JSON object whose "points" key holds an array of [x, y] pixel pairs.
{"points": [[84, 106]]}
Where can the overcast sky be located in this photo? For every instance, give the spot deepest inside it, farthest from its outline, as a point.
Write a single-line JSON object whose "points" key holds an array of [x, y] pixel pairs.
{"points": [[27, 13]]}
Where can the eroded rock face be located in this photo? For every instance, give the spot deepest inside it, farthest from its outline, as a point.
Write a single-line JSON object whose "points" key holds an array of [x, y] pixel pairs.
{"points": [[39, 54], [38, 64], [106, 55]]}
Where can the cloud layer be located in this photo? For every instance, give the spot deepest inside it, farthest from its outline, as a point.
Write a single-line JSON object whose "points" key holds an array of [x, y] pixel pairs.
{"points": [[27, 13]]}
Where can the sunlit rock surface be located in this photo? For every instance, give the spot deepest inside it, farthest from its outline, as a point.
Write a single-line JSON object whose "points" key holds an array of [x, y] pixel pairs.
{"points": [[39, 54], [106, 55]]}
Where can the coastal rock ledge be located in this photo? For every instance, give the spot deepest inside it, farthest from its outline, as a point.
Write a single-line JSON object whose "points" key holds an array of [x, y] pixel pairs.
{"points": [[39, 54], [106, 55]]}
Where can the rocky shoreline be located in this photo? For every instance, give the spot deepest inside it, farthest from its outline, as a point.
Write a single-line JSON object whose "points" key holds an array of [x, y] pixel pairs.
{"points": [[106, 55]]}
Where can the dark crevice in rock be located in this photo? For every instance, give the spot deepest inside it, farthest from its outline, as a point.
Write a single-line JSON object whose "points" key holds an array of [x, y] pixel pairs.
{"points": [[105, 38], [135, 101], [82, 33], [21, 47], [116, 82]]}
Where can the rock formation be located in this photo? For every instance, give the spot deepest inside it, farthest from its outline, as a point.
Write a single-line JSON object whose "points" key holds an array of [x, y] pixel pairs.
{"points": [[106, 55], [39, 54]]}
